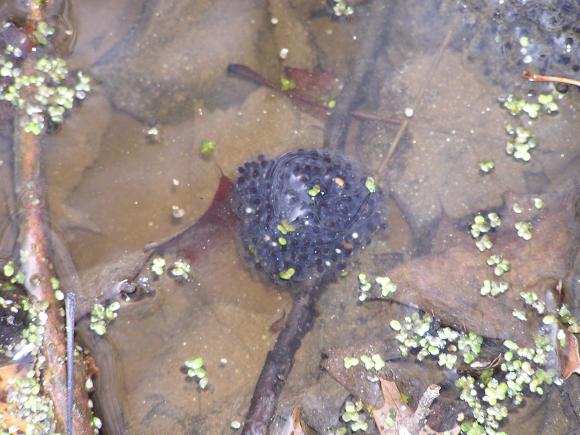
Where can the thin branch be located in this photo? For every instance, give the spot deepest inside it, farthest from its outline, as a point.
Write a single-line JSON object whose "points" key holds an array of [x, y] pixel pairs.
{"points": [[338, 124], [532, 77], [279, 362], [418, 100], [34, 244]]}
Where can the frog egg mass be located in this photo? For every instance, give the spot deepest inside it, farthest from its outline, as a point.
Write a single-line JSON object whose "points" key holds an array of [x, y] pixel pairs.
{"points": [[304, 214]]}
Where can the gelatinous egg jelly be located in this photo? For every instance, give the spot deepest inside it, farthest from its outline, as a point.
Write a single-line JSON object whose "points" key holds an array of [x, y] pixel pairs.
{"points": [[304, 214]]}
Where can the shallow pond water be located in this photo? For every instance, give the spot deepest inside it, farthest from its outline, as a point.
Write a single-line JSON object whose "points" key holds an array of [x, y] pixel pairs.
{"points": [[114, 186]]}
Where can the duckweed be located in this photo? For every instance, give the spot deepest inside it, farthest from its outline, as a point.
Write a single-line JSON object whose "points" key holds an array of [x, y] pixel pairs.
{"points": [[371, 185], [206, 148], [531, 299], [524, 230], [350, 362], [158, 266], [500, 265], [494, 220], [53, 92], [287, 84], [387, 286], [493, 288], [195, 370], [364, 287], [102, 316], [520, 315], [342, 8], [314, 190], [354, 416], [486, 166], [484, 243], [480, 226], [287, 274], [181, 270]]}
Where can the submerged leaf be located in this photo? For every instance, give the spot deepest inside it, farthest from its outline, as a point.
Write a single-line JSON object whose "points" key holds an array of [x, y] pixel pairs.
{"points": [[448, 282]]}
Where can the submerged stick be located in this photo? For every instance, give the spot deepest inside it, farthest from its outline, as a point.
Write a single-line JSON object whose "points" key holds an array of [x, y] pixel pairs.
{"points": [[279, 362], [320, 209], [69, 306], [338, 124], [533, 77], [246, 73], [34, 244]]}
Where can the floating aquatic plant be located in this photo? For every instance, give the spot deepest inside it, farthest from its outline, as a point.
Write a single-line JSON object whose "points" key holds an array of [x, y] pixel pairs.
{"points": [[195, 370], [53, 91], [520, 371]]}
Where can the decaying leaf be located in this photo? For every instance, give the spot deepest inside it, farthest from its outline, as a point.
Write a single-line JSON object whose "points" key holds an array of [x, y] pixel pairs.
{"points": [[570, 359], [293, 425], [218, 220], [448, 282]]}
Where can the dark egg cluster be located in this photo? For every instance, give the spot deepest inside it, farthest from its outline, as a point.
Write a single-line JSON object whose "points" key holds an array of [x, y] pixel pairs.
{"points": [[304, 214], [542, 36]]}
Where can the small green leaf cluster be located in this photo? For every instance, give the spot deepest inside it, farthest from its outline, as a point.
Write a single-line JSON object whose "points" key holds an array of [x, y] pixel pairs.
{"points": [[373, 363], [387, 286], [195, 370], [47, 94], [522, 140], [102, 316], [420, 334], [355, 416], [26, 402], [521, 372], [180, 270], [342, 8], [12, 277]]}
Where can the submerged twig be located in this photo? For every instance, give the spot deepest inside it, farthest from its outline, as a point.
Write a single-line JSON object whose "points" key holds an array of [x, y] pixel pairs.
{"points": [[422, 89], [69, 304], [337, 126], [34, 243], [279, 362], [533, 77], [246, 73]]}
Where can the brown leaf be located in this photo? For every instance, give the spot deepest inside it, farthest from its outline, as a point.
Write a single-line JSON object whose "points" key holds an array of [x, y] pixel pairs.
{"points": [[570, 359], [294, 424], [311, 84], [448, 283], [394, 408], [218, 220], [354, 379]]}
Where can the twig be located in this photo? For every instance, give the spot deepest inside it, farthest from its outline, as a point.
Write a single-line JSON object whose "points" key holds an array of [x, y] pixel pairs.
{"points": [[34, 243], [69, 304], [418, 100], [337, 126], [279, 363], [417, 421], [533, 77], [249, 74]]}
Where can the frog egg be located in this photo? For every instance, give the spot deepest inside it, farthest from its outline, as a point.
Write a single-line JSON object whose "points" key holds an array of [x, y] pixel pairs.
{"points": [[296, 197]]}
